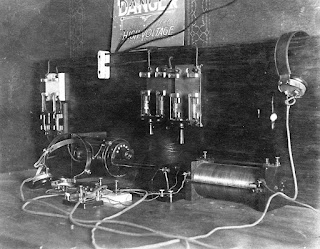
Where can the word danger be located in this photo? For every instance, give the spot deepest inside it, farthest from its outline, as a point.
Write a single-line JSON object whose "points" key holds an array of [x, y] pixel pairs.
{"points": [[136, 7]]}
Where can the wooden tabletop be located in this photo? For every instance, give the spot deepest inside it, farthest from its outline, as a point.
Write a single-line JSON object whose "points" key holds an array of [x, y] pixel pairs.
{"points": [[289, 226]]}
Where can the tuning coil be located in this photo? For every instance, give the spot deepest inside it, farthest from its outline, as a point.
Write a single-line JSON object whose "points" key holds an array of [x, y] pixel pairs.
{"points": [[89, 153], [116, 157], [237, 183]]}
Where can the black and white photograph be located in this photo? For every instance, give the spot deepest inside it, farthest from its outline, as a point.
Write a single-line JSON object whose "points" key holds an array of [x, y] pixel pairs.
{"points": [[169, 124]]}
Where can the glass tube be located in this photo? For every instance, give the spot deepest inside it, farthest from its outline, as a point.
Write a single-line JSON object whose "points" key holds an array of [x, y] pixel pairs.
{"points": [[176, 111]]}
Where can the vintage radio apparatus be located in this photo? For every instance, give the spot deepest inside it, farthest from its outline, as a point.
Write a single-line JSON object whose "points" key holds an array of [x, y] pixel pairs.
{"points": [[171, 115]]}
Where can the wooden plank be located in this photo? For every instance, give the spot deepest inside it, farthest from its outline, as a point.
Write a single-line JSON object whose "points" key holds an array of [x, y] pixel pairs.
{"points": [[286, 227]]}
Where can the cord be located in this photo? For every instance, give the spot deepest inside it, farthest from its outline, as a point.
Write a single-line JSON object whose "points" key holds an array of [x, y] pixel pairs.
{"points": [[89, 223], [107, 220], [100, 149], [44, 213], [86, 223], [167, 180], [56, 144], [174, 239], [289, 103], [299, 203], [148, 26], [182, 183], [21, 187], [176, 181], [182, 30]]}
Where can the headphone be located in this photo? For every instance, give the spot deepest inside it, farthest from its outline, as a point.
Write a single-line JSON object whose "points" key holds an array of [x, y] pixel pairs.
{"points": [[292, 86], [43, 176]]}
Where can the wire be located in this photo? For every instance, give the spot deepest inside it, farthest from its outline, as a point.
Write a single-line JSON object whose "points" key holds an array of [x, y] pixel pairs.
{"points": [[21, 187], [187, 245], [182, 184], [101, 147], [293, 199], [299, 203], [167, 180], [42, 160], [107, 219], [89, 223], [84, 223], [113, 216], [288, 102], [44, 213], [148, 26], [242, 226], [96, 224], [70, 153], [176, 181], [45, 204], [80, 174], [290, 151], [157, 245], [174, 238], [48, 67], [182, 30], [55, 191], [154, 198], [57, 143]]}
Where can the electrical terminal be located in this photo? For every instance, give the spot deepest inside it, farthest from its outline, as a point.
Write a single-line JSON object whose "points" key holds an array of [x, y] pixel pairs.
{"points": [[170, 192], [86, 195], [276, 164], [193, 73], [173, 73], [165, 169], [257, 187], [63, 184], [159, 72], [186, 173], [83, 197], [166, 196], [147, 74]]}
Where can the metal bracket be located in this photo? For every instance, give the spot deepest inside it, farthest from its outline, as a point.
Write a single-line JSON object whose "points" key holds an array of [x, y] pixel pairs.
{"points": [[103, 64]]}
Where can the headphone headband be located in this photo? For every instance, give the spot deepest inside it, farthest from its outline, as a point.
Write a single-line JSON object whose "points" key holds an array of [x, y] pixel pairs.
{"points": [[281, 58]]}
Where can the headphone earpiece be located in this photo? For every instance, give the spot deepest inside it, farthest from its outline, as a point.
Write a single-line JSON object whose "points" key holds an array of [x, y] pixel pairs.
{"points": [[42, 178], [290, 85], [295, 87]]}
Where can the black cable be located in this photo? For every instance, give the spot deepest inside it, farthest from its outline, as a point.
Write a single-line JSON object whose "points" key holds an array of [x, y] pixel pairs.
{"points": [[148, 26], [180, 31]]}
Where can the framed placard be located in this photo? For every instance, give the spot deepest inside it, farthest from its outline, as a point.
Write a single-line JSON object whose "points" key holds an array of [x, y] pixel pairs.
{"points": [[130, 17]]}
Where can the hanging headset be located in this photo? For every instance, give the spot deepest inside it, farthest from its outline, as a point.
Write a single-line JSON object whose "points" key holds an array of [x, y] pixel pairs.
{"points": [[43, 175], [292, 86]]}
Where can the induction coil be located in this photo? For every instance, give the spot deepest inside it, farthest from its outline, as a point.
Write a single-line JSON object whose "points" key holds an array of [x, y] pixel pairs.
{"points": [[231, 182]]}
